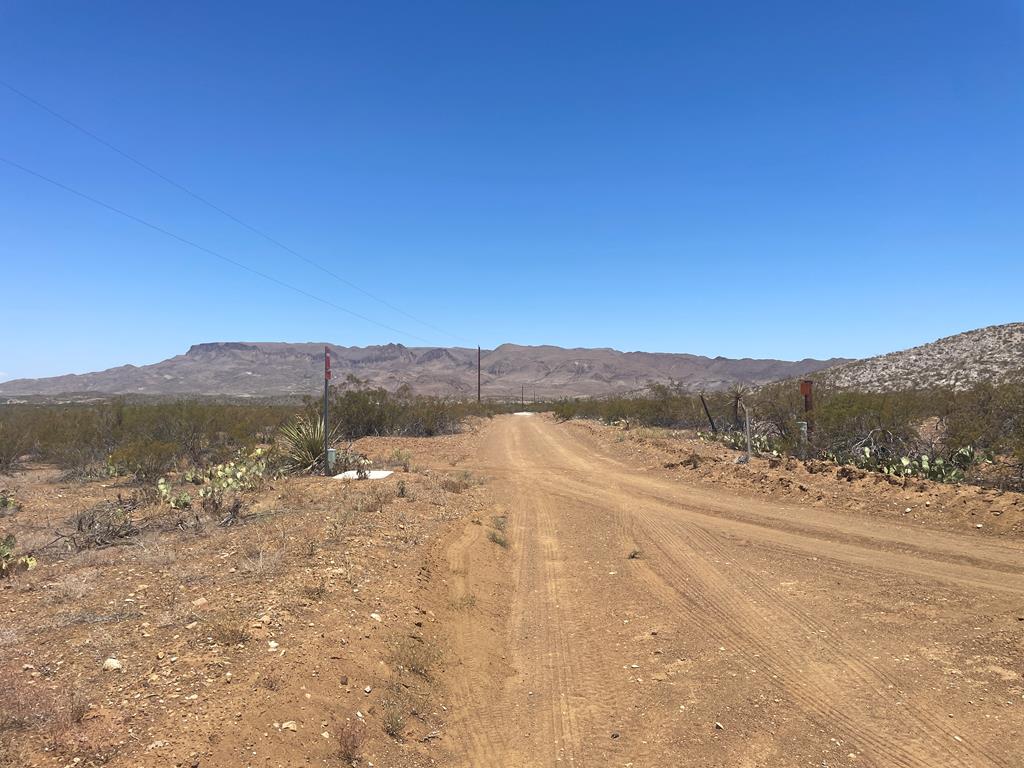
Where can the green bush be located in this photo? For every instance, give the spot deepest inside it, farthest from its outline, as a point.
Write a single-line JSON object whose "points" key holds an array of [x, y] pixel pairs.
{"points": [[137, 438], [143, 458]]}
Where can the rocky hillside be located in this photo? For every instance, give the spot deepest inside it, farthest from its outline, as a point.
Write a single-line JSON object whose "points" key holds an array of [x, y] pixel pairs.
{"points": [[992, 354], [273, 369]]}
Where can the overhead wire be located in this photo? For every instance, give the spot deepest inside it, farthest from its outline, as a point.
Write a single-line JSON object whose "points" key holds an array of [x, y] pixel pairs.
{"points": [[204, 249], [196, 196]]}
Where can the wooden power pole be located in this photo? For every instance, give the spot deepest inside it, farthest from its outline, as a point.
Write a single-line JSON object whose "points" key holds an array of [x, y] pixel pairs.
{"points": [[327, 381], [478, 375]]}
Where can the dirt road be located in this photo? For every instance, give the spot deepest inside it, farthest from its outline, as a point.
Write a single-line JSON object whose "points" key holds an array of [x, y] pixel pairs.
{"points": [[739, 633]]}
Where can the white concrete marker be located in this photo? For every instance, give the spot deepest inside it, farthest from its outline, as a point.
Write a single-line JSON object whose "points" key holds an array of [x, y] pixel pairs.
{"points": [[373, 474]]}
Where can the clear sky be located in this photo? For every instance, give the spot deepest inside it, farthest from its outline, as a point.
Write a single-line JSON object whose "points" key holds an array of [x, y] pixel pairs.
{"points": [[764, 179]]}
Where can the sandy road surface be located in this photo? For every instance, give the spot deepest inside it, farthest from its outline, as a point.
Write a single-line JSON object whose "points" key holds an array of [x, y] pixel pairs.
{"points": [[745, 633]]}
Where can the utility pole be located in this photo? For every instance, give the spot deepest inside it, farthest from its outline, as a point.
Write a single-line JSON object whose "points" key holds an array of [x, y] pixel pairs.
{"points": [[478, 375], [522, 397], [327, 379]]}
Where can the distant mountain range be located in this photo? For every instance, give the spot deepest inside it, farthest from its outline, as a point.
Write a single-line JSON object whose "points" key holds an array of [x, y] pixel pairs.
{"points": [[273, 369], [277, 370]]}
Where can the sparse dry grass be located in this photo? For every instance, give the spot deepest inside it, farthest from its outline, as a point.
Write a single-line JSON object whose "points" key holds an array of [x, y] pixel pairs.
{"points": [[461, 482], [263, 563], [393, 719], [28, 704], [464, 603], [399, 459], [270, 682], [229, 632], [73, 586], [349, 741], [317, 590], [414, 655], [375, 499]]}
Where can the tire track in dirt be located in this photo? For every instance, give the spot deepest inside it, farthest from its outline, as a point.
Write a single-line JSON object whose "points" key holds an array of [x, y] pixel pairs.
{"points": [[860, 665], [690, 588], [782, 518], [478, 738], [683, 546], [542, 699], [568, 504], [558, 679], [979, 563], [778, 631]]}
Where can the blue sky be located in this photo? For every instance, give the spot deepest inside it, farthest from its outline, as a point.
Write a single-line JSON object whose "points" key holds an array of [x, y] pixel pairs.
{"points": [[724, 178]]}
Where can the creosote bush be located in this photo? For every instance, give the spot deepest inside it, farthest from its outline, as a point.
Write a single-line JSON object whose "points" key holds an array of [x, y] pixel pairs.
{"points": [[147, 439], [139, 438]]}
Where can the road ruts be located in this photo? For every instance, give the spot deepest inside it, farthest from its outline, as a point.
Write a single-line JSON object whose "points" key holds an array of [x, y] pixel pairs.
{"points": [[715, 579]]}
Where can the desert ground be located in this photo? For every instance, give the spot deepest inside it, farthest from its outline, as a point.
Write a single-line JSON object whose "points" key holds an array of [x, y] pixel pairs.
{"points": [[527, 593]]}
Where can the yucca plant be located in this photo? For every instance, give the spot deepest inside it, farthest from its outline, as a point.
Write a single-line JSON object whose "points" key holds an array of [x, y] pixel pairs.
{"points": [[302, 445]]}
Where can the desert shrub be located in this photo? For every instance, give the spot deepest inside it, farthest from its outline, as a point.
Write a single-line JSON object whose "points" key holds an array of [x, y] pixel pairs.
{"points": [[146, 439], [144, 458], [103, 525], [393, 719], [357, 411], [991, 418], [659, 406], [317, 590], [499, 538], [263, 562], [461, 482], [399, 459], [140, 438], [13, 445], [376, 499], [878, 431]]}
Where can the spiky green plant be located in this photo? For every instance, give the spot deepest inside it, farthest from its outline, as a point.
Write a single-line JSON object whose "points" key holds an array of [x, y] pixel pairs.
{"points": [[302, 445]]}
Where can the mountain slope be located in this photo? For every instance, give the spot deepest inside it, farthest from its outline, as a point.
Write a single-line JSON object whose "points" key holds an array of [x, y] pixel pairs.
{"points": [[280, 369], [992, 354]]}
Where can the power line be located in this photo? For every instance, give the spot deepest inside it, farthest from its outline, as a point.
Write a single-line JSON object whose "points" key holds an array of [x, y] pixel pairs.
{"points": [[204, 249], [214, 206]]}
